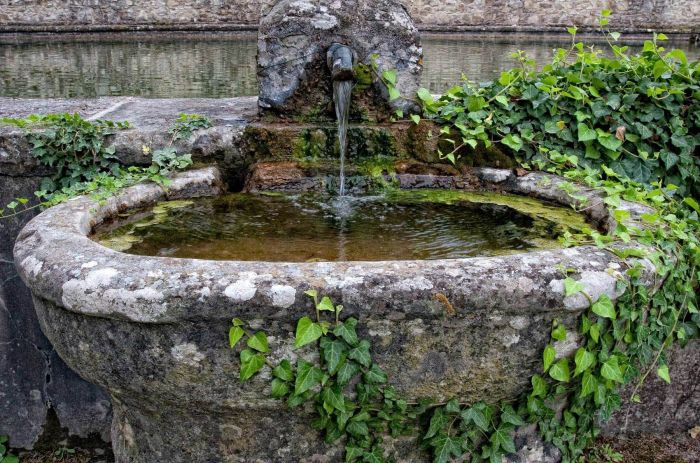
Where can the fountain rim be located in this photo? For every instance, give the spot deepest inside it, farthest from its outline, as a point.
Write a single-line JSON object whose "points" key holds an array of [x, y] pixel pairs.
{"points": [[60, 263]]}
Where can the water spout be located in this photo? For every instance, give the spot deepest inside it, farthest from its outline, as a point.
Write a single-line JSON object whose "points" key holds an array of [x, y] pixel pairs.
{"points": [[340, 61]]}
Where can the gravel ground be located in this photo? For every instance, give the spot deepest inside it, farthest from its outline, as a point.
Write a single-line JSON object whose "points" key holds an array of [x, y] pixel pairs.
{"points": [[674, 448], [79, 456]]}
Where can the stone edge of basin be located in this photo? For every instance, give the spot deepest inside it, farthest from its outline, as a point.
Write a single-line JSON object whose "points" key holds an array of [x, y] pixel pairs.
{"points": [[59, 262]]}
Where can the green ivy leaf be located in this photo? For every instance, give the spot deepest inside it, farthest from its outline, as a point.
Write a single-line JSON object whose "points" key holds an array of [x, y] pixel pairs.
{"points": [[611, 370], [572, 287], [375, 456], [559, 333], [452, 406], [608, 140], [513, 142], [394, 94], [445, 447], [584, 360], [502, 438], [333, 396], [502, 99], [389, 76], [283, 371], [425, 96], [692, 203], [560, 371], [234, 335], [259, 342], [326, 304], [475, 415], [348, 369], [475, 103], [308, 376], [539, 386], [604, 307], [375, 375], [437, 421], [415, 118], [357, 428], [347, 332], [548, 356], [353, 452], [307, 332], [361, 353], [589, 383], [586, 133], [509, 415], [333, 354], [279, 388], [663, 373], [251, 363]]}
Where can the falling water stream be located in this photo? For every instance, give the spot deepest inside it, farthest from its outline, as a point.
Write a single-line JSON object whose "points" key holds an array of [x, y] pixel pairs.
{"points": [[342, 92]]}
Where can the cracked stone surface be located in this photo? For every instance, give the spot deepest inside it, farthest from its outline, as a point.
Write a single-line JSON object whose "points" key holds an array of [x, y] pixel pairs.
{"points": [[152, 330]]}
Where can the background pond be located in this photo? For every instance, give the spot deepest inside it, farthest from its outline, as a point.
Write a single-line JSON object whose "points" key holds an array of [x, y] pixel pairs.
{"points": [[223, 65]]}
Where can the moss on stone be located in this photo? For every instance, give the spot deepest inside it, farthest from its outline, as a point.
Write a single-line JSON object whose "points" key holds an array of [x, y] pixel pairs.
{"points": [[311, 144], [377, 166]]}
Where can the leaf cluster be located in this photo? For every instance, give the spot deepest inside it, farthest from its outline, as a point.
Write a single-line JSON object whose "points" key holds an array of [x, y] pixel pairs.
{"points": [[74, 147], [348, 391], [484, 431], [186, 124], [639, 114], [77, 149]]}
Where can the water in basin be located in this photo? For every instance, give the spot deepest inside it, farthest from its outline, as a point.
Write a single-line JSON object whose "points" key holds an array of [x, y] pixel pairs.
{"points": [[423, 224]]}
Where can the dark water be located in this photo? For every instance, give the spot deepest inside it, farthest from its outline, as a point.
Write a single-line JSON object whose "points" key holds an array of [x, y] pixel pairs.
{"points": [[314, 228], [223, 65]]}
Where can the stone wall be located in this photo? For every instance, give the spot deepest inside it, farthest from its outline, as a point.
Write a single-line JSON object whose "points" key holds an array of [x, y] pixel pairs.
{"points": [[669, 15]]}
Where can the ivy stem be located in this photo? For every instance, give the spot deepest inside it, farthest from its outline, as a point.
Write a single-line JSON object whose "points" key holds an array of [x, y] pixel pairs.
{"points": [[664, 344], [22, 211]]}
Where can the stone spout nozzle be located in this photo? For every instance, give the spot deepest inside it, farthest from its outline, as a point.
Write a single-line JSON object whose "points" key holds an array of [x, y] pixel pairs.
{"points": [[340, 60]]}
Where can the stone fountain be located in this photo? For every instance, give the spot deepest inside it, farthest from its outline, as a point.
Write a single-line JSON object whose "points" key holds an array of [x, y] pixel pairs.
{"points": [[152, 331]]}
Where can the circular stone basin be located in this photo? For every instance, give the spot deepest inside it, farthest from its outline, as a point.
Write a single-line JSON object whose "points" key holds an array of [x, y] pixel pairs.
{"points": [[153, 330], [421, 224]]}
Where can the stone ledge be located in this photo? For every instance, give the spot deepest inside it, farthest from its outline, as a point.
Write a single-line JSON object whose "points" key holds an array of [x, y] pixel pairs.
{"points": [[62, 275], [150, 120]]}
